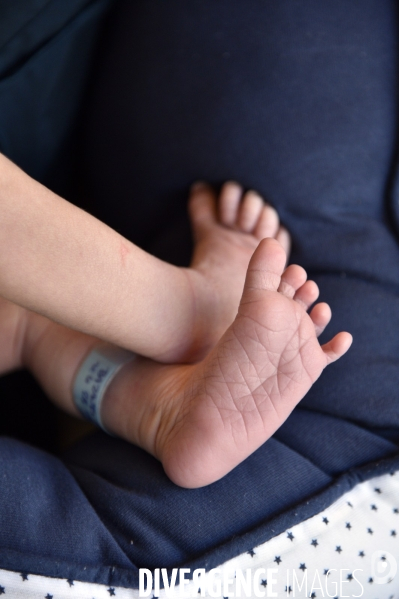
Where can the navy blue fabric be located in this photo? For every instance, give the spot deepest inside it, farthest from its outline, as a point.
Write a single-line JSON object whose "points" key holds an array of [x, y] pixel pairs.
{"points": [[46, 51], [108, 508], [43, 510], [299, 101]]}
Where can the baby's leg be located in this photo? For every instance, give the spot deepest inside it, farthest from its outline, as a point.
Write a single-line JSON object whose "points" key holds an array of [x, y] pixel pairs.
{"points": [[61, 262], [203, 420]]}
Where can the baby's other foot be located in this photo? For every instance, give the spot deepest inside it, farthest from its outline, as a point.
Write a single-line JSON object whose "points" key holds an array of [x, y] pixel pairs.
{"points": [[233, 401], [226, 232]]}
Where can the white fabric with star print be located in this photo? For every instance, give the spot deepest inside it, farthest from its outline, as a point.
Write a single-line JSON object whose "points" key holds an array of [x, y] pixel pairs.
{"points": [[351, 549]]}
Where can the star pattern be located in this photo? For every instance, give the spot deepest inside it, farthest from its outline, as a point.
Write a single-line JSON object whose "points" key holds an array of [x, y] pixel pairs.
{"points": [[288, 590], [344, 536]]}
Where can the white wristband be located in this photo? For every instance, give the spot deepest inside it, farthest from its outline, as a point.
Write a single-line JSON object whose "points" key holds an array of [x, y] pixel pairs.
{"points": [[93, 378]]}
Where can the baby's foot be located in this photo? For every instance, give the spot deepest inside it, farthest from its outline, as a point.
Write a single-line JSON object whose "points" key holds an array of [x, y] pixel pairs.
{"points": [[202, 420], [249, 384], [226, 232]]}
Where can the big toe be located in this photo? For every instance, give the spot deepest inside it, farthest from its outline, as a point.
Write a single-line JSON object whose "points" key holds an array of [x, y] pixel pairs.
{"points": [[201, 208], [266, 266]]}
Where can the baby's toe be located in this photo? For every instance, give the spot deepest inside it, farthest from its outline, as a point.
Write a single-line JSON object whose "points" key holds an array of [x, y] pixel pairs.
{"points": [[265, 268], [337, 347], [307, 294], [229, 202], [201, 208], [284, 238], [321, 316], [250, 212], [268, 223], [292, 279]]}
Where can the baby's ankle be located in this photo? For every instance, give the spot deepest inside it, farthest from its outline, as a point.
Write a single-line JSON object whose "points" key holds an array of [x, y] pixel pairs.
{"points": [[194, 324], [207, 316], [14, 321]]}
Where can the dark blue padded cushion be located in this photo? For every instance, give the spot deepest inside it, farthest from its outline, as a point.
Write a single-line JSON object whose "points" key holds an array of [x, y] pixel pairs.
{"points": [[46, 51], [108, 509]]}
